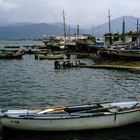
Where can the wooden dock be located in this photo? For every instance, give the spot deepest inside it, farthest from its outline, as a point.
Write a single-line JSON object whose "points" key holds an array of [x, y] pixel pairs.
{"points": [[116, 67]]}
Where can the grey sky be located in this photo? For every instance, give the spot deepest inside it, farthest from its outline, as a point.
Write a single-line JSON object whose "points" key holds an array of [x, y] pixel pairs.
{"points": [[83, 12]]}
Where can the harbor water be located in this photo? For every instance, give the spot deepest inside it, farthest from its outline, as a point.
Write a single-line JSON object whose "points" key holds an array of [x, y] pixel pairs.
{"points": [[27, 83]]}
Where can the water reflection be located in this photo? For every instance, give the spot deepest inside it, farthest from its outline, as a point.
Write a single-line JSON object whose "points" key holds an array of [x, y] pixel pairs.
{"points": [[123, 133]]}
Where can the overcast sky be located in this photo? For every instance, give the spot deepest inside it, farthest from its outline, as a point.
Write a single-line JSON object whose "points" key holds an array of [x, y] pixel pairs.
{"points": [[82, 12]]}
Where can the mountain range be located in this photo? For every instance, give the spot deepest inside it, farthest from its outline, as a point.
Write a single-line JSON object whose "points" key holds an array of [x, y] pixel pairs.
{"points": [[117, 24], [36, 30]]}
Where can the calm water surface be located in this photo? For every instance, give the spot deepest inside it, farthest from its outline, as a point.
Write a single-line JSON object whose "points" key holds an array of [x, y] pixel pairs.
{"points": [[30, 83]]}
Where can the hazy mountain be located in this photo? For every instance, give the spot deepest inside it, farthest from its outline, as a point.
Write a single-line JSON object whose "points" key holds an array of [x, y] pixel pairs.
{"points": [[19, 24], [37, 30], [33, 31], [28, 31], [116, 25]]}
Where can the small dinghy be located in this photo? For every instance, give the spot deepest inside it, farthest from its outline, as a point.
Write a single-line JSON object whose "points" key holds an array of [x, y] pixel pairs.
{"points": [[51, 56], [71, 118]]}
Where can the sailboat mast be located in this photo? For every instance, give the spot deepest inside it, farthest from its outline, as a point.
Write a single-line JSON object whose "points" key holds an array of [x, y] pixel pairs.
{"points": [[92, 30], [64, 25], [109, 21], [69, 32], [78, 31], [110, 38], [123, 30], [137, 31]]}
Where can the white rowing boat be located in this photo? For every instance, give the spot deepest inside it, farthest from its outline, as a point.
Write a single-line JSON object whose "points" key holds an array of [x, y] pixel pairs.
{"points": [[83, 117], [51, 56]]}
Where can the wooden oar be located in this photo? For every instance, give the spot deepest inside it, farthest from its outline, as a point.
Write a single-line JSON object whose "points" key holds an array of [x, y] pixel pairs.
{"points": [[102, 109], [52, 110]]}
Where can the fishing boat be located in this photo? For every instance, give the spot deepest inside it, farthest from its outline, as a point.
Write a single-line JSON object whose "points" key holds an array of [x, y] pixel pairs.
{"points": [[5, 54], [72, 118], [129, 54]]}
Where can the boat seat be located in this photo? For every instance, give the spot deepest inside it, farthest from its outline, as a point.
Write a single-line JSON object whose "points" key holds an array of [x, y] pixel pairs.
{"points": [[110, 108]]}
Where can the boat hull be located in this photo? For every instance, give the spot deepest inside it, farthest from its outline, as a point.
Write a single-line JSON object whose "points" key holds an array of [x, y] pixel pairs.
{"points": [[72, 124], [11, 55], [51, 57]]}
